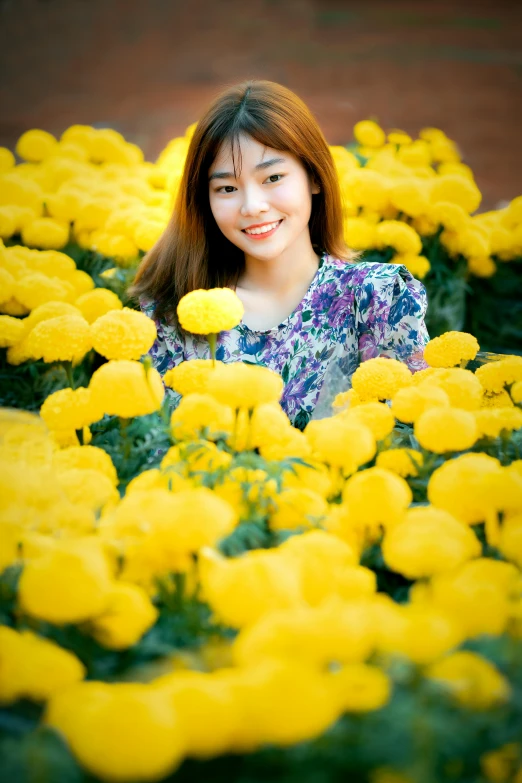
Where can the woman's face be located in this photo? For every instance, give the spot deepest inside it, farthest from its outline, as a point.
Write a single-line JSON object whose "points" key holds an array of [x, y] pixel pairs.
{"points": [[273, 191]]}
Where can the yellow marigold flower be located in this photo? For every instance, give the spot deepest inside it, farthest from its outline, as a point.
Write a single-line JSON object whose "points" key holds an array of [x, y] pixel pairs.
{"points": [[340, 442], [13, 307], [380, 379], [35, 145], [245, 488], [86, 457], [446, 429], [292, 443], [196, 456], [128, 615], [345, 400], [402, 237], [49, 310], [199, 518], [495, 375], [417, 155], [492, 421], [36, 289], [516, 392], [327, 564], [8, 222], [450, 215], [403, 462], [376, 497], [7, 159], [375, 415], [361, 687], [457, 189], [65, 338], [19, 190], [69, 409], [510, 542], [190, 376], [366, 188], [474, 244], [316, 636], [243, 589], [7, 285], [94, 304], [419, 266], [286, 703], [125, 388], [424, 226], [33, 667], [497, 400], [122, 249], [210, 311], [123, 334], [298, 507], [45, 233], [68, 584], [244, 385], [428, 541], [359, 233], [201, 415], [411, 402], [98, 718], [450, 349], [369, 133], [11, 330], [462, 386], [421, 634], [88, 488], [462, 486], [146, 234], [312, 474], [498, 765], [410, 195], [471, 679]]}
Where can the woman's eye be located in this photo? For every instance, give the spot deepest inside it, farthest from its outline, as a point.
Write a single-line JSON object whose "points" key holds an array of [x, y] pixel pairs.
{"points": [[275, 175], [223, 189]]}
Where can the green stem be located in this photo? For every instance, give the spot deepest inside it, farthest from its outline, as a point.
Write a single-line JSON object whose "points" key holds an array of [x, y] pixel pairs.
{"points": [[124, 426], [212, 341], [69, 373]]}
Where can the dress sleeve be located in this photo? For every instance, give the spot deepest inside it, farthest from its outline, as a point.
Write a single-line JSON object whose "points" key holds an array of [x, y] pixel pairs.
{"points": [[390, 309], [167, 349]]}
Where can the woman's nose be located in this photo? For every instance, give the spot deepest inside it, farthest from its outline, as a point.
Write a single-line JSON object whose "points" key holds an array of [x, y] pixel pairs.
{"points": [[253, 203]]}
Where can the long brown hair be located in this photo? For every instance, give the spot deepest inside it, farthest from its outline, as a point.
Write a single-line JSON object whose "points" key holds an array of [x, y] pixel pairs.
{"points": [[192, 251]]}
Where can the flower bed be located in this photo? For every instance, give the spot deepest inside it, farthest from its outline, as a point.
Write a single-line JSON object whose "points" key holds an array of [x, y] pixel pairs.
{"points": [[211, 594]]}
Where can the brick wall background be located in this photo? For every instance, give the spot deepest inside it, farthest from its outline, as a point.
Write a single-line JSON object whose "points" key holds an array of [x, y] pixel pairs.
{"points": [[149, 68]]}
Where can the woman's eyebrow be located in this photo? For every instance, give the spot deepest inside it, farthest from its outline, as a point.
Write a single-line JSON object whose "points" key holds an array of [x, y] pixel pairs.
{"points": [[229, 175]]}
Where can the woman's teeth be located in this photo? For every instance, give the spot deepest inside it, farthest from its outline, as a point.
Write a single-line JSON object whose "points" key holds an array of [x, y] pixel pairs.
{"points": [[262, 229]]}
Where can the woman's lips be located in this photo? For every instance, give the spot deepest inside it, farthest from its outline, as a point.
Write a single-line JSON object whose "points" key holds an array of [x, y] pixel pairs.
{"points": [[265, 235]]}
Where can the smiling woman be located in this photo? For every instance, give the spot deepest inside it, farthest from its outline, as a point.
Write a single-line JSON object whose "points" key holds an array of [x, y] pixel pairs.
{"points": [[259, 211]]}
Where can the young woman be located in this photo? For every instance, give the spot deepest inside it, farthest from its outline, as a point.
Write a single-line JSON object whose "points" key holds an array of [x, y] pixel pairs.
{"points": [[259, 210]]}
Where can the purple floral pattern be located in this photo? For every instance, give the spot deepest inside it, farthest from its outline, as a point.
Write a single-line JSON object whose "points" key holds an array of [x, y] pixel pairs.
{"points": [[350, 313]]}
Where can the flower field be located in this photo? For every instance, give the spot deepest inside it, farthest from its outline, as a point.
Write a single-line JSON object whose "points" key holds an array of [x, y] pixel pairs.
{"points": [[209, 593]]}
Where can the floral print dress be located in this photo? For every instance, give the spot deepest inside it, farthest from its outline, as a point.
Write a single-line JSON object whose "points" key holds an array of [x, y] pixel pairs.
{"points": [[350, 313]]}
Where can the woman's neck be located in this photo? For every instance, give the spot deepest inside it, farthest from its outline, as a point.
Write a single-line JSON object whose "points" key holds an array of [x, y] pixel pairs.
{"points": [[296, 267]]}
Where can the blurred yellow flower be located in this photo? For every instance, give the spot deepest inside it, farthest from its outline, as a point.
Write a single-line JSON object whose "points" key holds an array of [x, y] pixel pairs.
{"points": [[244, 385], [69, 409], [341, 442], [369, 133], [128, 615], [190, 376], [11, 330], [32, 667], [97, 719], [428, 541], [446, 429], [471, 679], [35, 145], [361, 687], [411, 402], [377, 497], [45, 233], [403, 462], [201, 415], [126, 388], [68, 584]]}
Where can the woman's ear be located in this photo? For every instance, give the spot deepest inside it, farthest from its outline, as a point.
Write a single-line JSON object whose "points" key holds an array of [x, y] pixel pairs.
{"points": [[315, 188]]}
